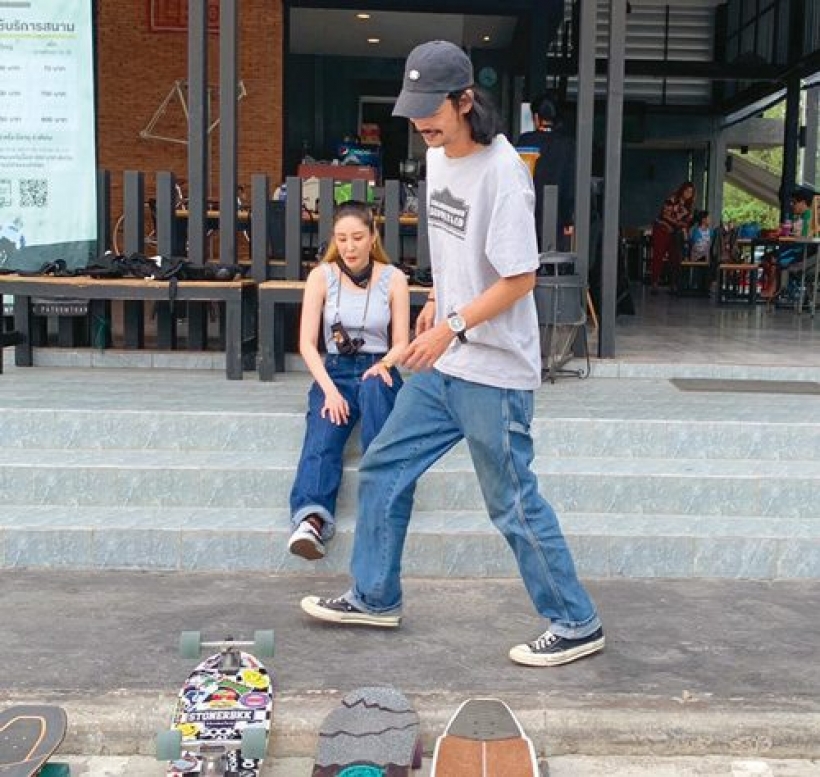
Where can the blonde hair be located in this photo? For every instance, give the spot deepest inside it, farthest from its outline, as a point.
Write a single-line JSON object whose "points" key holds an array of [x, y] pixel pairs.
{"points": [[363, 212]]}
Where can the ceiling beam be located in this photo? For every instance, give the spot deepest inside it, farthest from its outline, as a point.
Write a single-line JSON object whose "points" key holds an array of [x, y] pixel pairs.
{"points": [[712, 71]]}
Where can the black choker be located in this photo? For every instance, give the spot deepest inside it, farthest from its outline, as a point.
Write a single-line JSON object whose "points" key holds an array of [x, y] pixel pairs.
{"points": [[360, 279]]}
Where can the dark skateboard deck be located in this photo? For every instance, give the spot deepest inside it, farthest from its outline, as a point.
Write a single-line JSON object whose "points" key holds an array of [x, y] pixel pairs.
{"points": [[373, 733], [213, 710], [29, 734], [484, 739]]}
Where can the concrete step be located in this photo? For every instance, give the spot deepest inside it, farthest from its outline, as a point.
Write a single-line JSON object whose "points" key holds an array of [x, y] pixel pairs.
{"points": [[441, 544], [183, 470], [283, 430], [114, 478]]}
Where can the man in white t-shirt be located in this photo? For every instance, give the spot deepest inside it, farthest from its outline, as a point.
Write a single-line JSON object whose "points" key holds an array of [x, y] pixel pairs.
{"points": [[477, 360]]}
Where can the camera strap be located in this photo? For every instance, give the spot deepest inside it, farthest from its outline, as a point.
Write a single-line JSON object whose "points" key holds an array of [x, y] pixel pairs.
{"points": [[366, 299]]}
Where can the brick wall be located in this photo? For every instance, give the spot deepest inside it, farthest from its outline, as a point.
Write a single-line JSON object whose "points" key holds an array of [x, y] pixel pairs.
{"points": [[136, 70]]}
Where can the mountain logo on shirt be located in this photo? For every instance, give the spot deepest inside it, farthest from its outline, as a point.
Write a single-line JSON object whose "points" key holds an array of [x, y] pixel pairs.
{"points": [[448, 213]]}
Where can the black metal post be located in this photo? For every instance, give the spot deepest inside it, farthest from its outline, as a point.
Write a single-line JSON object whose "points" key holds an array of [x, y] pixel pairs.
{"points": [[103, 211], [392, 228], [422, 237], [585, 125], [197, 158], [134, 243], [166, 222], [293, 229], [791, 128], [260, 195], [612, 177], [228, 85]]}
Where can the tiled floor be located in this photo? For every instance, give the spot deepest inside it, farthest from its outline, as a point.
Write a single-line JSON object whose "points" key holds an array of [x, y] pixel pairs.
{"points": [[668, 329]]}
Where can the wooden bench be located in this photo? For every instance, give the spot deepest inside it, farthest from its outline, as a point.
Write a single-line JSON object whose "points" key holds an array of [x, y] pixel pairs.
{"points": [[273, 297], [694, 278], [238, 296], [737, 282]]}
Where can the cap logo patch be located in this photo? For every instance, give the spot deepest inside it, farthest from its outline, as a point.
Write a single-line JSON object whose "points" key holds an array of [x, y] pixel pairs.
{"points": [[414, 75]]}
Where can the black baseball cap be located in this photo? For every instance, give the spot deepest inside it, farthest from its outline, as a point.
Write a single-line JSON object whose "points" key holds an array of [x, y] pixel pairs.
{"points": [[433, 70]]}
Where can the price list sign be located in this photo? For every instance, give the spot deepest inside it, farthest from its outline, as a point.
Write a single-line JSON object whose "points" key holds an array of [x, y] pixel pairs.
{"points": [[47, 133]]}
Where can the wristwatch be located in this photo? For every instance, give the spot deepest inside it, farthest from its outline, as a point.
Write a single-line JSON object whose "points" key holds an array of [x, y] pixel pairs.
{"points": [[458, 326]]}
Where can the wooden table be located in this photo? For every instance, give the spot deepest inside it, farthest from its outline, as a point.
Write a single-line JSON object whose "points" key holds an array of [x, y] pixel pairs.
{"points": [[779, 243]]}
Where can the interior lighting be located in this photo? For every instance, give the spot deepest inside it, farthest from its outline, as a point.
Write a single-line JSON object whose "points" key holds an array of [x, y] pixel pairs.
{"points": [[362, 15], [374, 40]]}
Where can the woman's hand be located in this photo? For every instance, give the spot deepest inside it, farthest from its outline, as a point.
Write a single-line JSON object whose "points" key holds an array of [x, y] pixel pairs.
{"points": [[335, 408]]}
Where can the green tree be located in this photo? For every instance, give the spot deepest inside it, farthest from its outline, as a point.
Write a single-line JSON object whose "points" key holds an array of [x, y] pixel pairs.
{"points": [[741, 208]]}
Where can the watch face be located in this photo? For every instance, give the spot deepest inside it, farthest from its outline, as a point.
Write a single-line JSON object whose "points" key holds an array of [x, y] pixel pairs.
{"points": [[457, 323]]}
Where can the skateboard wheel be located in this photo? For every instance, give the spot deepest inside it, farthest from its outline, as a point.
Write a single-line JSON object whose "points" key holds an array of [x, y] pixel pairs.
{"points": [[263, 643], [254, 743], [190, 644], [169, 745]]}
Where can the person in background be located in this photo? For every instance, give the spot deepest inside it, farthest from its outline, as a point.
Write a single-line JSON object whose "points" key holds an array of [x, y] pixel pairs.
{"points": [[669, 233], [801, 206], [555, 166], [362, 305], [776, 265], [700, 237], [477, 361]]}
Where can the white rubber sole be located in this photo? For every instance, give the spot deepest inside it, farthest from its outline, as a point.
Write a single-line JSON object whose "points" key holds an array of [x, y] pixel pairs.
{"points": [[521, 654], [310, 604]]}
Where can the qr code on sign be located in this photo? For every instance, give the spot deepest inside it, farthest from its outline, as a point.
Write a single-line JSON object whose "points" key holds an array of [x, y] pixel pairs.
{"points": [[33, 193]]}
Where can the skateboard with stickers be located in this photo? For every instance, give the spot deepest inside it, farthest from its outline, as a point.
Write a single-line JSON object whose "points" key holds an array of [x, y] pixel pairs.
{"points": [[29, 735], [484, 739], [374, 732], [222, 719]]}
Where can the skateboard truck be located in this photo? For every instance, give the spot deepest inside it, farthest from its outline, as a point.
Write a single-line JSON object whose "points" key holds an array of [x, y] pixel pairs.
{"points": [[191, 644], [253, 744]]}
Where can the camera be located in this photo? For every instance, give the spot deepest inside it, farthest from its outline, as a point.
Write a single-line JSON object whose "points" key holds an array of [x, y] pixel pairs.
{"points": [[347, 346]]}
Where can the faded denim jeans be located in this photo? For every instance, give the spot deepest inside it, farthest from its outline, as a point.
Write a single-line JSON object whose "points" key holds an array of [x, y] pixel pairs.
{"points": [[433, 412], [319, 473]]}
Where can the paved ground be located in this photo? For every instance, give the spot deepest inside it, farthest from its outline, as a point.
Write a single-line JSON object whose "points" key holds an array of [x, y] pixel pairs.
{"points": [[691, 667], [562, 766]]}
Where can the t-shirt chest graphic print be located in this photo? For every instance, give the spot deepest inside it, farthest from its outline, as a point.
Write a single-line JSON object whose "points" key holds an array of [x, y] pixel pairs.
{"points": [[448, 212]]}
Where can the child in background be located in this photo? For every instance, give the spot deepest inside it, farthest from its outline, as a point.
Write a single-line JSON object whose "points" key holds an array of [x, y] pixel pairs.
{"points": [[700, 238]]}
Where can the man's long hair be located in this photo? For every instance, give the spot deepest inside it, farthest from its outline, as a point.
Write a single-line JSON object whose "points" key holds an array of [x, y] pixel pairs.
{"points": [[485, 122]]}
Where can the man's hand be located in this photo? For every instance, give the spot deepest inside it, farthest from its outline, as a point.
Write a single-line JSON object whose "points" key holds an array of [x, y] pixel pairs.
{"points": [[428, 346], [427, 317]]}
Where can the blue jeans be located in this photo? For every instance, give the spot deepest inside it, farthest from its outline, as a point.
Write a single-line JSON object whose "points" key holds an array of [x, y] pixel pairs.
{"points": [[433, 412], [319, 473]]}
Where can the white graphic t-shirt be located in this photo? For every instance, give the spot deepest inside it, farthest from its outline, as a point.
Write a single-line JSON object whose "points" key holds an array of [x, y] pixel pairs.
{"points": [[481, 228]]}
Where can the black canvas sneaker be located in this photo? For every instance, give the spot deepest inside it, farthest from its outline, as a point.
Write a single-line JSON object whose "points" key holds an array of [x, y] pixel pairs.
{"points": [[551, 650], [340, 610]]}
